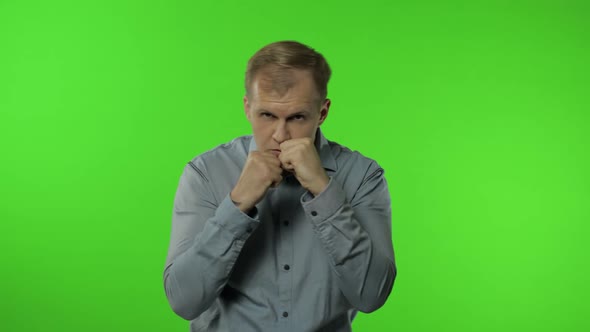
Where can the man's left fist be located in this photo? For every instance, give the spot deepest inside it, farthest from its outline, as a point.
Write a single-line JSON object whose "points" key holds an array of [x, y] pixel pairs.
{"points": [[300, 156]]}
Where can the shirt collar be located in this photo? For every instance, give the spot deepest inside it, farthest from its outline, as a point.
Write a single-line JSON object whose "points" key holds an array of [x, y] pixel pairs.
{"points": [[321, 144]]}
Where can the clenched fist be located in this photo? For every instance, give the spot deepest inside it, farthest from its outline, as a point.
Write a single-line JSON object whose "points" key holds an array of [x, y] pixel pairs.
{"points": [[300, 157], [261, 171]]}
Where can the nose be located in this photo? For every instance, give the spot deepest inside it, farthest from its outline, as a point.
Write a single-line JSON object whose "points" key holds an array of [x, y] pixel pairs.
{"points": [[281, 132]]}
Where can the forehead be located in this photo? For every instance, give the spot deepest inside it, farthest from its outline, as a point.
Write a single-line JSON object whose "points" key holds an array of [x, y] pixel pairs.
{"points": [[284, 87]]}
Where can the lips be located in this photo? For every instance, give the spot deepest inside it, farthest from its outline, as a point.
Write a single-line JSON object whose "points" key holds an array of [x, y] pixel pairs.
{"points": [[275, 152]]}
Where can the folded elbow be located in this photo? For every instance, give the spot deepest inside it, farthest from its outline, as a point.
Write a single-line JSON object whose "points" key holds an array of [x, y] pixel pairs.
{"points": [[179, 302], [379, 297], [368, 308], [369, 305], [184, 311]]}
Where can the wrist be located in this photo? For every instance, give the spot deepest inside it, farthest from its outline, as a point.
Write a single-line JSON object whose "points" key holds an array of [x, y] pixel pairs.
{"points": [[240, 204], [319, 186]]}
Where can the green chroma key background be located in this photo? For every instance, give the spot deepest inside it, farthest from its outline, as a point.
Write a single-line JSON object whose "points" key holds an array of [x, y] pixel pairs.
{"points": [[479, 114]]}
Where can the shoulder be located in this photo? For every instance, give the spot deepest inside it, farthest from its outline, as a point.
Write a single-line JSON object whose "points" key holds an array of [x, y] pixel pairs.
{"points": [[237, 147], [220, 167], [359, 175], [232, 152], [355, 162]]}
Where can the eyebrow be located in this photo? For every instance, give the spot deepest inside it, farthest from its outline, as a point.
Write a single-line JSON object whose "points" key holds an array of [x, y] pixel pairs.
{"points": [[300, 112]]}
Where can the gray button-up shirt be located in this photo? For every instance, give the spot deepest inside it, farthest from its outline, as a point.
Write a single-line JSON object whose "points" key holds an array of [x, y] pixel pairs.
{"points": [[296, 263]]}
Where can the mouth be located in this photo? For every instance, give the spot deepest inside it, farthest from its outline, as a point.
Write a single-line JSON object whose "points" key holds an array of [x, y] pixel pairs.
{"points": [[275, 152]]}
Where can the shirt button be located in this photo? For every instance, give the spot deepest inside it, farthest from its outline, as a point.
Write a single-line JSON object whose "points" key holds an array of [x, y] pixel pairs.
{"points": [[313, 213], [286, 222], [286, 267], [285, 314]]}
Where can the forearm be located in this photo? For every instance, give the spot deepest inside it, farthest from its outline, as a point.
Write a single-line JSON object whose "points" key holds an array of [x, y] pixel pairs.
{"points": [[362, 261], [194, 278], [364, 273]]}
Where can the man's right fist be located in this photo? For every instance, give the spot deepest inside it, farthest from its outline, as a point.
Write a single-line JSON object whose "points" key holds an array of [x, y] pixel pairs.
{"points": [[261, 171]]}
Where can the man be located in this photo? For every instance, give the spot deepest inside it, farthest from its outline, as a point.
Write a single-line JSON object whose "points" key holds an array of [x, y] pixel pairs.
{"points": [[281, 230]]}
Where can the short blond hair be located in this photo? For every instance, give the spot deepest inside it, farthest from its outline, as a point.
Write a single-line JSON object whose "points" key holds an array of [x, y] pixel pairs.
{"points": [[275, 60]]}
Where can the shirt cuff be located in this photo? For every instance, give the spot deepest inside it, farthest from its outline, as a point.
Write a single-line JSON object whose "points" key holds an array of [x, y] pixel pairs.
{"points": [[232, 219], [325, 204]]}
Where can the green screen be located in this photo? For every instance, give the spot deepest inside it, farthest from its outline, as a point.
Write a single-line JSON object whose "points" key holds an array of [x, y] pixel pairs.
{"points": [[478, 112]]}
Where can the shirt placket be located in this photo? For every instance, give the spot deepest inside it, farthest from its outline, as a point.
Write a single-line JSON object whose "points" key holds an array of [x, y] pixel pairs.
{"points": [[286, 208]]}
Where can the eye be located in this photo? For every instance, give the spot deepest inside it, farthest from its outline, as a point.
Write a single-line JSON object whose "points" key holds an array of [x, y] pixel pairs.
{"points": [[299, 117], [266, 115]]}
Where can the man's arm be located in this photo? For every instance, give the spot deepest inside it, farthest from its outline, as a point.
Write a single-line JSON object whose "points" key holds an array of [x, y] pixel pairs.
{"points": [[206, 240], [207, 237], [356, 235]]}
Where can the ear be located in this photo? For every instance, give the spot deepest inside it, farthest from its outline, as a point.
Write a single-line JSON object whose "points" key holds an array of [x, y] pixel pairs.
{"points": [[247, 108], [324, 111]]}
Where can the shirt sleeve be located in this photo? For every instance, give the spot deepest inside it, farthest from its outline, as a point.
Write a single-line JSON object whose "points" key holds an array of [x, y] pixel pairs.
{"points": [[356, 235], [205, 242]]}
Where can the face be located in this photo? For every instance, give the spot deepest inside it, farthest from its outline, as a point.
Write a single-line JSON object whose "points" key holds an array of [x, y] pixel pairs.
{"points": [[276, 117]]}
